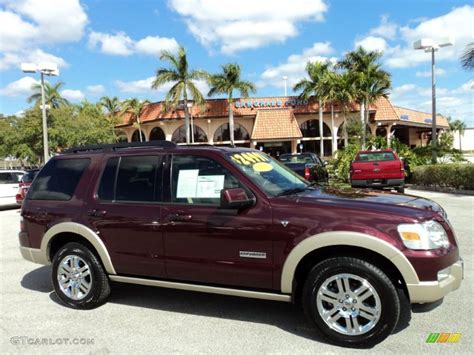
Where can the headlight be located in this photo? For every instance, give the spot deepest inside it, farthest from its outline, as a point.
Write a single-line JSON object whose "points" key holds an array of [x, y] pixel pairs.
{"points": [[425, 236]]}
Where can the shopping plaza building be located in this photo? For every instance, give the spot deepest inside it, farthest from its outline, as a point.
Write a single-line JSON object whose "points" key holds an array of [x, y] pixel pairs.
{"points": [[277, 125]]}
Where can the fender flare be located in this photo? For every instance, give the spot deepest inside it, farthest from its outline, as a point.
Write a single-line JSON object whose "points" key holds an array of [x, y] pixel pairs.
{"points": [[355, 239], [83, 231]]}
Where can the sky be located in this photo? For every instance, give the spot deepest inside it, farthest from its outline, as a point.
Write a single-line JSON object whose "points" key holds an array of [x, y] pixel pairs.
{"points": [[112, 47]]}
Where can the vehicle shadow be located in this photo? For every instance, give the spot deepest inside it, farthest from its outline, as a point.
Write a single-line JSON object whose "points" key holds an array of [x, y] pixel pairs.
{"points": [[286, 316]]}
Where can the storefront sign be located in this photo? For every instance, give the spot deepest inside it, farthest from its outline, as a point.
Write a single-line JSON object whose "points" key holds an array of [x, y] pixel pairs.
{"points": [[270, 103]]}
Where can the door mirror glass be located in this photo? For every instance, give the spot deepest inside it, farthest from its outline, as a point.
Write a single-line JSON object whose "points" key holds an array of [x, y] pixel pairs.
{"points": [[236, 198]]}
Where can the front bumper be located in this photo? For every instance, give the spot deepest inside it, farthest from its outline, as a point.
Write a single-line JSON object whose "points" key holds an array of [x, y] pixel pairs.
{"points": [[431, 291], [34, 255]]}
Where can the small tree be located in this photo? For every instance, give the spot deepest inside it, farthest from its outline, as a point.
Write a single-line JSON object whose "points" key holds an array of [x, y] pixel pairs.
{"points": [[135, 107]]}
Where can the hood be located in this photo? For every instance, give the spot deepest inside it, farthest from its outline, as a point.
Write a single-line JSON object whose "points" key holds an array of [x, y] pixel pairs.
{"points": [[367, 197]]}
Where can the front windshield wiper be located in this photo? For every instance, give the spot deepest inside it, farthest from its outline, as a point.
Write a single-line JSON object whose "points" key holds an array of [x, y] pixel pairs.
{"points": [[292, 191]]}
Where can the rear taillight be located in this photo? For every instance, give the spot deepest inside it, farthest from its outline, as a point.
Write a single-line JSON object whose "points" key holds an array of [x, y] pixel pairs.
{"points": [[22, 224], [307, 173], [402, 168]]}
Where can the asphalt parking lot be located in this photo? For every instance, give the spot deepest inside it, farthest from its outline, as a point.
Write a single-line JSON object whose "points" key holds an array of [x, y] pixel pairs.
{"points": [[147, 319]]}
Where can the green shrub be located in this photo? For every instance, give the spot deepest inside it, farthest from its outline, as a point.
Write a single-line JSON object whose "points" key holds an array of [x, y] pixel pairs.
{"points": [[458, 176]]}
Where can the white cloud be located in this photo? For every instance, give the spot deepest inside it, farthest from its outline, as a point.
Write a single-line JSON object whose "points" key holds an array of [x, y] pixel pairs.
{"points": [[20, 87], [294, 68], [245, 24], [26, 25], [72, 95], [136, 86], [121, 44], [386, 29], [117, 44], [457, 23], [95, 89], [154, 45], [372, 43], [427, 73]]}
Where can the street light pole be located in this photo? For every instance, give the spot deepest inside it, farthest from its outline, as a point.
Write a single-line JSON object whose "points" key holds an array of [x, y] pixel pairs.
{"points": [[285, 78], [45, 123], [430, 45], [434, 133], [50, 69]]}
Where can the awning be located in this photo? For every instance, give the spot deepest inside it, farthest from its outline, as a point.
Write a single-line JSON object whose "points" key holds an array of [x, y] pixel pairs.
{"points": [[275, 124]]}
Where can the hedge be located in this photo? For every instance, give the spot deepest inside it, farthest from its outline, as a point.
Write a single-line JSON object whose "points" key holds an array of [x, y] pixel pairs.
{"points": [[458, 176]]}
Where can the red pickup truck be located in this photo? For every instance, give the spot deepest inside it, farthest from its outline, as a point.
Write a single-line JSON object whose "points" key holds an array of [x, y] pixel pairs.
{"points": [[378, 169]]}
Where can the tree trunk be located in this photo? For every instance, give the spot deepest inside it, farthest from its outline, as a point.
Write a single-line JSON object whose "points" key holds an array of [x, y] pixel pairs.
{"points": [[231, 122], [186, 115], [460, 146], [346, 139], [321, 142], [362, 119], [139, 128], [333, 137]]}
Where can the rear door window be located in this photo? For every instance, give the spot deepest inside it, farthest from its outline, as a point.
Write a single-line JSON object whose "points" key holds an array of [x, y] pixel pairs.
{"points": [[58, 179], [6, 178]]}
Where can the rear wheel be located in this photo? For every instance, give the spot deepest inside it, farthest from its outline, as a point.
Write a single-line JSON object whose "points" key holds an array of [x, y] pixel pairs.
{"points": [[400, 189], [79, 278], [351, 301]]}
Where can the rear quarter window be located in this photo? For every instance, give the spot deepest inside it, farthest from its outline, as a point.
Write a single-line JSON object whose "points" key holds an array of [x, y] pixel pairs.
{"points": [[58, 179]]}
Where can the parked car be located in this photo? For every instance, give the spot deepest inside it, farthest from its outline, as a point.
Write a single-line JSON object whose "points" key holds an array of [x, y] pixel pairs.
{"points": [[233, 221], [25, 184], [307, 165], [378, 169], [9, 182]]}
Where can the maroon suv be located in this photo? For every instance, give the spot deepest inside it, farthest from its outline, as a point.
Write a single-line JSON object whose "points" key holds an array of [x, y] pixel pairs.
{"points": [[234, 221]]}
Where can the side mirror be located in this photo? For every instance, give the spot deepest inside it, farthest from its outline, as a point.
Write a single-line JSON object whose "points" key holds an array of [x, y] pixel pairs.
{"points": [[325, 162], [236, 198]]}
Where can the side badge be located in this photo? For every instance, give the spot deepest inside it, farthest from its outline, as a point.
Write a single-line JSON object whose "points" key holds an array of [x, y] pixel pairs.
{"points": [[284, 223]]}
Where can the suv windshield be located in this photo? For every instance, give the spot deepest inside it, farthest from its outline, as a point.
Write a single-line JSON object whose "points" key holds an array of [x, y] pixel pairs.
{"points": [[270, 175]]}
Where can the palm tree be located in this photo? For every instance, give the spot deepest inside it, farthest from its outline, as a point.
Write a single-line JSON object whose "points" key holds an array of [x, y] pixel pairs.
{"points": [[52, 96], [343, 87], [460, 126], [112, 106], [225, 83], [370, 80], [315, 85], [135, 107], [182, 77], [467, 58]]}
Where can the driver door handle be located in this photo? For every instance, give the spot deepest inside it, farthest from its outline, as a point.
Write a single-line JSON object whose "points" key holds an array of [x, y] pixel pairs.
{"points": [[96, 213], [178, 217]]}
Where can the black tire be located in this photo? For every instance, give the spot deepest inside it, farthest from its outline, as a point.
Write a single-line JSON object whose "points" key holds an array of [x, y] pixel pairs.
{"points": [[388, 299], [400, 189], [99, 288]]}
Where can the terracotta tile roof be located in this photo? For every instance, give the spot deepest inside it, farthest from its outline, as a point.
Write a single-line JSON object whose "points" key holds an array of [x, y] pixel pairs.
{"points": [[409, 115], [384, 110], [275, 124]]}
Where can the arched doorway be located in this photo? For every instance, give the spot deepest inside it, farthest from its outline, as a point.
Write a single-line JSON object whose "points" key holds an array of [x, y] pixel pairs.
{"points": [[311, 137], [222, 134], [157, 134], [136, 137], [179, 135]]}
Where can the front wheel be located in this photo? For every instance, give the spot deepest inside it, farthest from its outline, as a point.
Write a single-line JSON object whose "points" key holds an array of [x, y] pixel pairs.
{"points": [[351, 301]]}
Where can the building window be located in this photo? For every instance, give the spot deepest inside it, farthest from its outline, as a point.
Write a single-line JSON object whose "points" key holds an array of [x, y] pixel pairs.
{"points": [[136, 137], [310, 128], [157, 134], [179, 136], [223, 133]]}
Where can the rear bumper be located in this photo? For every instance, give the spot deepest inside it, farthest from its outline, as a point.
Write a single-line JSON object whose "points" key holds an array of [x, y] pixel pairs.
{"points": [[377, 182], [34, 255], [431, 291]]}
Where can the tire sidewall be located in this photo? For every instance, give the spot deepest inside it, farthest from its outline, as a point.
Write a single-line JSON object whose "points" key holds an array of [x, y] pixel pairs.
{"points": [[95, 270], [390, 309]]}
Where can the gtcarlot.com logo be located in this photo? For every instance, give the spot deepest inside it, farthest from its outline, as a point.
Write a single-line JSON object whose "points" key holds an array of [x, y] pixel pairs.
{"points": [[26, 340], [443, 338]]}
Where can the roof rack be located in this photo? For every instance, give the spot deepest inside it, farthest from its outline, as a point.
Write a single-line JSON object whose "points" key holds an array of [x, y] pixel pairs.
{"points": [[122, 145]]}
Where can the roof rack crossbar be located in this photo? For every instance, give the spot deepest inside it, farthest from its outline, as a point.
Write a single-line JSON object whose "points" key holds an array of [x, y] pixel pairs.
{"points": [[121, 145]]}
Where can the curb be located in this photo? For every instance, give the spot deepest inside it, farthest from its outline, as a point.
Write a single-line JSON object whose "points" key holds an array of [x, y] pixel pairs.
{"points": [[440, 189]]}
